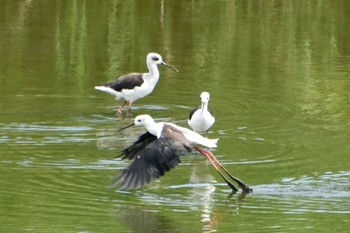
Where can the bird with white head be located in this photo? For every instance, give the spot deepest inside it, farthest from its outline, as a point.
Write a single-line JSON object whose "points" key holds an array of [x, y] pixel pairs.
{"points": [[201, 119], [134, 86], [159, 149]]}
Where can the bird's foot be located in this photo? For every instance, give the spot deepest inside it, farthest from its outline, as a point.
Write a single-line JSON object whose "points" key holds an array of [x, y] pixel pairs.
{"points": [[245, 188]]}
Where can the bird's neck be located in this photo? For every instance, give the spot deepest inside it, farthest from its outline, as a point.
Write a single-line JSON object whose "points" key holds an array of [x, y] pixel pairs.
{"points": [[153, 71], [204, 107], [154, 128]]}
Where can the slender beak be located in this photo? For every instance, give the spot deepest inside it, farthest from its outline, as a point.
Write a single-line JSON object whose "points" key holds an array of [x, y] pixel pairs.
{"points": [[164, 64], [125, 127]]}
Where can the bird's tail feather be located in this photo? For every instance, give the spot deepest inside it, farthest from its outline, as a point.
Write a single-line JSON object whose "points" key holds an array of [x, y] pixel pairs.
{"points": [[108, 90], [211, 143]]}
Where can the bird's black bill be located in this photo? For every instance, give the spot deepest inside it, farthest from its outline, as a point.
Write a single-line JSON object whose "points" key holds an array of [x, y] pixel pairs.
{"points": [[125, 127], [164, 64]]}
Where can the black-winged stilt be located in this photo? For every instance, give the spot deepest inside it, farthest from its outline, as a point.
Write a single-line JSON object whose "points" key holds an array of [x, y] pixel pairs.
{"points": [[158, 151], [134, 86], [201, 119]]}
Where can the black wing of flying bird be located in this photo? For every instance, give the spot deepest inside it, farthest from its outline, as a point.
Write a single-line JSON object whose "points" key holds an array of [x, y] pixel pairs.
{"points": [[128, 81], [155, 159], [137, 146]]}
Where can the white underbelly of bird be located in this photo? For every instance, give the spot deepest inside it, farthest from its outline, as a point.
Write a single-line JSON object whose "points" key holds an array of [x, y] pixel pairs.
{"points": [[130, 95], [202, 122], [134, 86]]}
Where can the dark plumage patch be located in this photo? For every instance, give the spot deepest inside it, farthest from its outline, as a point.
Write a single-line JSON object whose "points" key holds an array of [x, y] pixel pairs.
{"points": [[129, 81], [137, 146], [155, 159], [192, 112], [155, 58]]}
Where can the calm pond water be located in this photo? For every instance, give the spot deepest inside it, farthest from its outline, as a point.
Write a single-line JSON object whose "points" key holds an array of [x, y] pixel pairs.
{"points": [[279, 77]]}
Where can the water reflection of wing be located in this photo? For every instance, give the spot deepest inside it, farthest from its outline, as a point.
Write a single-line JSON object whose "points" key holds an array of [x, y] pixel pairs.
{"points": [[143, 220]]}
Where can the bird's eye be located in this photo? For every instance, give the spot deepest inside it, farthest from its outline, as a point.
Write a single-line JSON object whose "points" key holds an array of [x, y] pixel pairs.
{"points": [[155, 58], [139, 120]]}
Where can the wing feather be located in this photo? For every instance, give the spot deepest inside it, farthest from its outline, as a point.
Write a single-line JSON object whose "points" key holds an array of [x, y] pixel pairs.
{"points": [[129, 81], [131, 151], [155, 159]]}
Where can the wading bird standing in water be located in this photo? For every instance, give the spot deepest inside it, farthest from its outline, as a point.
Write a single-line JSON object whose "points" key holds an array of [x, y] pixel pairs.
{"points": [[201, 119], [158, 151], [134, 86]]}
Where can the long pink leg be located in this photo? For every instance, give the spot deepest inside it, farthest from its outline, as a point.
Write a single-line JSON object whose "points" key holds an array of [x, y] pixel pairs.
{"points": [[241, 184], [208, 157], [129, 110], [120, 109]]}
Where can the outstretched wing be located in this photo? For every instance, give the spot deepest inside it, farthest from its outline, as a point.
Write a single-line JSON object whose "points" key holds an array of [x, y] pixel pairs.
{"points": [[155, 159], [137, 146], [128, 81]]}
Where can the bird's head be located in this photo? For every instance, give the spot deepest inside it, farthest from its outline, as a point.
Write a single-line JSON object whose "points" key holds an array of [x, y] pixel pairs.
{"points": [[205, 97], [156, 59], [143, 120]]}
